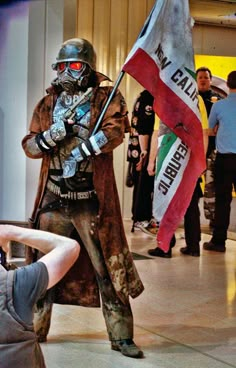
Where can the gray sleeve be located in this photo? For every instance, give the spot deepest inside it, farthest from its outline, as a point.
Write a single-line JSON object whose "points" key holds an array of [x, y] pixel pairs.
{"points": [[30, 283]]}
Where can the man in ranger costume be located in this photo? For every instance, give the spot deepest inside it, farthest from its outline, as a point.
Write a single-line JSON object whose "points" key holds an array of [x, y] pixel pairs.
{"points": [[77, 195]]}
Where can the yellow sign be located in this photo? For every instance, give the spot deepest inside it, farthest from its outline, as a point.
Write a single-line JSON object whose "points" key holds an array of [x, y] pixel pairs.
{"points": [[220, 66]]}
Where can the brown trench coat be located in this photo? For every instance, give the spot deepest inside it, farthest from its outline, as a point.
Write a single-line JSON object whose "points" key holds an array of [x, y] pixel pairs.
{"points": [[79, 285]]}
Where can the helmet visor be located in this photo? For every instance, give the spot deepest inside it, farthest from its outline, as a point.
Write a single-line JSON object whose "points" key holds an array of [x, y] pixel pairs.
{"points": [[73, 65]]}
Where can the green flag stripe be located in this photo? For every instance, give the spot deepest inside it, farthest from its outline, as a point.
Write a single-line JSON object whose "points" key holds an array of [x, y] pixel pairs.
{"points": [[166, 143]]}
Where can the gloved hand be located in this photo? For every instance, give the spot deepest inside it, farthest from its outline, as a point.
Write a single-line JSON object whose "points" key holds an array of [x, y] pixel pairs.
{"points": [[80, 153], [61, 129], [88, 148], [58, 131], [83, 151]]}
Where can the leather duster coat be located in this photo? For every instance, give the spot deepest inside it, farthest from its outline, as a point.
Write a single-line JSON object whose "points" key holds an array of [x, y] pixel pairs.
{"points": [[118, 258]]}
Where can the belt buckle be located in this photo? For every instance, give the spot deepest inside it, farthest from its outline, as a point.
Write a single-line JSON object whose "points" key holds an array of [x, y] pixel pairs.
{"points": [[83, 195], [64, 195]]}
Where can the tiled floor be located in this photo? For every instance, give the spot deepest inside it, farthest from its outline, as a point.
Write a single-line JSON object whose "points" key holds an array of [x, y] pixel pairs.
{"points": [[185, 318]]}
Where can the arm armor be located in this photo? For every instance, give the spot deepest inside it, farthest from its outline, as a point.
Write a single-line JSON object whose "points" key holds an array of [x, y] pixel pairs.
{"points": [[44, 141], [90, 147]]}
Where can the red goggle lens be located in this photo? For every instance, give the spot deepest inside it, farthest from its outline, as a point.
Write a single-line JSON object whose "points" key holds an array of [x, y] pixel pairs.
{"points": [[73, 65], [61, 66], [76, 66]]}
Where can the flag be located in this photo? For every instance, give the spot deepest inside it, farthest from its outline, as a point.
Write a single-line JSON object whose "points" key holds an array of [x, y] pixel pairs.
{"points": [[162, 61]]}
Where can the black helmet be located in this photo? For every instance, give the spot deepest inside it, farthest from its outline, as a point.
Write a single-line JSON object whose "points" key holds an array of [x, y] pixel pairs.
{"points": [[77, 49]]}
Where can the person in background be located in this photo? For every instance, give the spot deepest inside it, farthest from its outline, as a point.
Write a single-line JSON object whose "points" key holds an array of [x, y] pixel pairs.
{"points": [[192, 226], [222, 123], [77, 194], [204, 79], [20, 289], [143, 122]]}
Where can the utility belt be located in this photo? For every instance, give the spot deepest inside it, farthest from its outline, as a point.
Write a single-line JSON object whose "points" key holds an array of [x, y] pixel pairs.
{"points": [[74, 196], [63, 201]]}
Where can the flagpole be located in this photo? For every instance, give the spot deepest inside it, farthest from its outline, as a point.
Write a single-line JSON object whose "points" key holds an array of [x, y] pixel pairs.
{"points": [[118, 81]]}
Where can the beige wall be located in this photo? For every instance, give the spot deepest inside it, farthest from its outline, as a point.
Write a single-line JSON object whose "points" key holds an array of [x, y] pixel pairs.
{"points": [[214, 40]]}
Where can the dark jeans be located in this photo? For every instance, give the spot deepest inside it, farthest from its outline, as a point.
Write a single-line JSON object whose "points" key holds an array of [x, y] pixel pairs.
{"points": [[225, 177], [192, 227], [142, 195]]}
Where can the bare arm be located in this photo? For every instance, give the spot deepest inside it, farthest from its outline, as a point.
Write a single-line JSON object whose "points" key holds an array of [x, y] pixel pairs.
{"points": [[60, 252], [153, 153], [143, 141], [213, 131], [205, 139]]}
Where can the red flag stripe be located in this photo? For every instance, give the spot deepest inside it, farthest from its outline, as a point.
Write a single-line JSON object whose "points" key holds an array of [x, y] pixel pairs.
{"points": [[165, 102]]}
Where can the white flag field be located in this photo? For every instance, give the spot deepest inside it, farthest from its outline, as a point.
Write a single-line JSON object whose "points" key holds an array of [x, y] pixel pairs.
{"points": [[162, 61]]}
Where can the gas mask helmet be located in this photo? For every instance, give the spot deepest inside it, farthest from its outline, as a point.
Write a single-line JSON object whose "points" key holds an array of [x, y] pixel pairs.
{"points": [[75, 63]]}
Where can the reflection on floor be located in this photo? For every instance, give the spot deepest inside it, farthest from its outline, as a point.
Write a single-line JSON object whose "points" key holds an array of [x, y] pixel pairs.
{"points": [[185, 318]]}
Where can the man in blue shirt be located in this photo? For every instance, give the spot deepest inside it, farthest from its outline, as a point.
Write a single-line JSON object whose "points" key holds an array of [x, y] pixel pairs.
{"points": [[222, 121]]}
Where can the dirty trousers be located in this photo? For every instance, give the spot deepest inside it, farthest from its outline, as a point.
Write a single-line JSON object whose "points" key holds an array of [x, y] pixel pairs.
{"points": [[83, 216]]}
